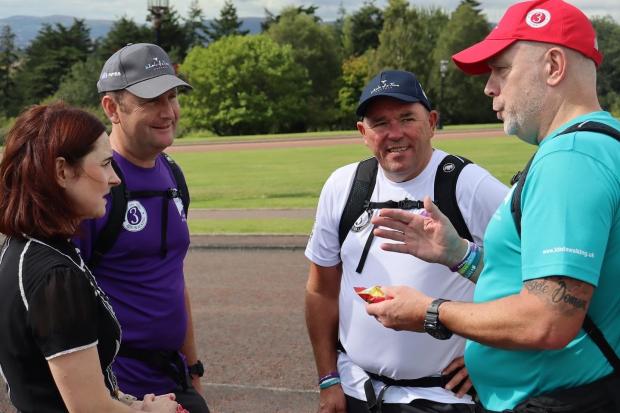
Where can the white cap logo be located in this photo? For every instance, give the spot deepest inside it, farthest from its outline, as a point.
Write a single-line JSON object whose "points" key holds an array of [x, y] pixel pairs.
{"points": [[538, 18]]}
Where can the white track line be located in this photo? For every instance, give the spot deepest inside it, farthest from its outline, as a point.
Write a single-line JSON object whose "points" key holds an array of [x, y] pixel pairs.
{"points": [[251, 387]]}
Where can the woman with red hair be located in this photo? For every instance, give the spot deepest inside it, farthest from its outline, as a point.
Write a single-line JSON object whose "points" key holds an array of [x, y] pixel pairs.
{"points": [[59, 333]]}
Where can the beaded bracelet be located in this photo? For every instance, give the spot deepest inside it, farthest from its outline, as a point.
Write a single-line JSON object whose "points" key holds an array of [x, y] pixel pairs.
{"points": [[329, 380]]}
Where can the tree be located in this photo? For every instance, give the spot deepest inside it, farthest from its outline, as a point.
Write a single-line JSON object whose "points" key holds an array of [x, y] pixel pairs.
{"points": [[173, 37], [79, 86], [339, 23], [408, 38], [464, 100], [195, 27], [361, 29], [245, 85], [608, 82], [315, 48], [122, 32], [356, 73], [8, 58], [227, 25], [270, 18], [49, 57]]}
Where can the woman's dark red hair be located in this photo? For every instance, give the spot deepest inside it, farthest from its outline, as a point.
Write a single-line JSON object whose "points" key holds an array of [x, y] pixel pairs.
{"points": [[31, 201]]}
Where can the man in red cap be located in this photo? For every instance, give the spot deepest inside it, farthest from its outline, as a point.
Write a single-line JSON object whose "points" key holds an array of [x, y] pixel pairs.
{"points": [[544, 329]]}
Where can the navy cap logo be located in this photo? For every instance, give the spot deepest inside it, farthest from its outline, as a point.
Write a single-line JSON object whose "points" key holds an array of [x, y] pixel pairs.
{"points": [[397, 84], [384, 86]]}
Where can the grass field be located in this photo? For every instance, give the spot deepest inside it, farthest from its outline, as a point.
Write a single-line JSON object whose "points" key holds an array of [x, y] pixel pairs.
{"points": [[250, 226], [293, 177]]}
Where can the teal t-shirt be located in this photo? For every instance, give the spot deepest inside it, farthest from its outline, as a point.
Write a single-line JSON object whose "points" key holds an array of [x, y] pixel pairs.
{"points": [[570, 227]]}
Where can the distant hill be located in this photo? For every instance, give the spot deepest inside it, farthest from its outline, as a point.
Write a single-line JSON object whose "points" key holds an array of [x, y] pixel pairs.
{"points": [[27, 27]]}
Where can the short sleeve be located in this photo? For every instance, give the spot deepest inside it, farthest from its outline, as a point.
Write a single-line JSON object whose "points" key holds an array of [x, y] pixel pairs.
{"points": [[571, 212], [62, 312], [324, 245]]}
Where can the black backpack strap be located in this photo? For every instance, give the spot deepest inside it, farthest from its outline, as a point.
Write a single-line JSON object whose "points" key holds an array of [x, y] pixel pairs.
{"points": [[167, 362], [519, 178], [119, 198], [109, 233], [599, 339], [591, 126], [515, 202], [359, 196], [515, 208], [180, 181], [446, 178]]}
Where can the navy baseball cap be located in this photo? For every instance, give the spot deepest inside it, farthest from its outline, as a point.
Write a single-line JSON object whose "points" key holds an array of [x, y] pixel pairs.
{"points": [[397, 84], [143, 69]]}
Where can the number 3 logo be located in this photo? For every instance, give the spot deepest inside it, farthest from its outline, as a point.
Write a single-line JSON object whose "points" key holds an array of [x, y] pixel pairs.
{"points": [[135, 217], [538, 18]]}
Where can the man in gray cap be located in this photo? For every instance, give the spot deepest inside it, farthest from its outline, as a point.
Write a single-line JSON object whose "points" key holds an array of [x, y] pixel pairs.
{"points": [[363, 367], [137, 250]]}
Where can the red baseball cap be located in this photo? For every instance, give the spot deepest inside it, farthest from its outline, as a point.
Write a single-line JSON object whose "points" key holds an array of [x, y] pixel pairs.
{"points": [[548, 21]]}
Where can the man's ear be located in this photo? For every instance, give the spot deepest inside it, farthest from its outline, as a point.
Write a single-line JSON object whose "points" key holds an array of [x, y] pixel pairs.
{"points": [[433, 118], [555, 65], [111, 108], [63, 172], [362, 129]]}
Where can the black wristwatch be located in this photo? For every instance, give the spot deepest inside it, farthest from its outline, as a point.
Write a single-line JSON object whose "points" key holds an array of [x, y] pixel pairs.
{"points": [[196, 369], [432, 325]]}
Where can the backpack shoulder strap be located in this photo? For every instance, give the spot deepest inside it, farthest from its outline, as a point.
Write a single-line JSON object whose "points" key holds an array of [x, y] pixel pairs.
{"points": [[446, 178], [589, 126], [361, 191], [109, 233], [601, 342], [595, 334], [515, 201], [180, 181]]}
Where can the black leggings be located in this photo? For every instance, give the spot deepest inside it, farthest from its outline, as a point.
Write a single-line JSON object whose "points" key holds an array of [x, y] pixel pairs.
{"points": [[190, 399]]}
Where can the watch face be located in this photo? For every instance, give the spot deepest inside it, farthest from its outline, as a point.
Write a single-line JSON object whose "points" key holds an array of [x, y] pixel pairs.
{"points": [[439, 332]]}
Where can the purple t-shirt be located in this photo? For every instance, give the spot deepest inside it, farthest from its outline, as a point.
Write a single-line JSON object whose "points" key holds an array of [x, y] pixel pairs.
{"points": [[145, 289]]}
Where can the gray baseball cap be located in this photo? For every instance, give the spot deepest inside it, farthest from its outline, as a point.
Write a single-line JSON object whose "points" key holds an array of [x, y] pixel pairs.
{"points": [[143, 69]]}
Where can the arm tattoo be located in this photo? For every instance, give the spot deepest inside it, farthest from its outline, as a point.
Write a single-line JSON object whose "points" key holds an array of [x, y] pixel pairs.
{"points": [[563, 294]]}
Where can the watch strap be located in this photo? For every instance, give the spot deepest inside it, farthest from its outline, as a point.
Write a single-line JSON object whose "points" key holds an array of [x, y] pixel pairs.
{"points": [[432, 324], [196, 369]]}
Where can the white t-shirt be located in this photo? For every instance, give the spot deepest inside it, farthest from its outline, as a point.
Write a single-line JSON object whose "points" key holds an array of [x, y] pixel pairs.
{"points": [[370, 346]]}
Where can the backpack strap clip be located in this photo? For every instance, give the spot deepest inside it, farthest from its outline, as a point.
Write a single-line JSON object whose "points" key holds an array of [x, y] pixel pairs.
{"points": [[173, 193]]}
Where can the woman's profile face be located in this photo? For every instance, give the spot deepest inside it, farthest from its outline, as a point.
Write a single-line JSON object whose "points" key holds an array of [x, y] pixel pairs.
{"points": [[91, 180]]}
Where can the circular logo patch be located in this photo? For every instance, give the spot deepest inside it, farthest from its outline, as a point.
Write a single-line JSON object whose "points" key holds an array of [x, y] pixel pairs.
{"points": [[135, 217], [449, 167], [362, 222], [538, 18]]}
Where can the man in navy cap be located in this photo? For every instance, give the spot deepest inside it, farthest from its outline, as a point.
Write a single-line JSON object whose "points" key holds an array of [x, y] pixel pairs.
{"points": [[544, 327], [141, 268], [362, 366]]}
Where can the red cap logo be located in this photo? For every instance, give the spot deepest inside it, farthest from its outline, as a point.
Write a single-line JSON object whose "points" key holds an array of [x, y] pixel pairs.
{"points": [[538, 18]]}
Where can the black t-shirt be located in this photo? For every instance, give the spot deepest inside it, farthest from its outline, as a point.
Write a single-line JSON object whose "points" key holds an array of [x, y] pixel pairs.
{"points": [[50, 305]]}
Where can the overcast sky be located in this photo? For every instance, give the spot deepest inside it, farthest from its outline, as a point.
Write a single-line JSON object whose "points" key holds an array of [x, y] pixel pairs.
{"points": [[328, 9]]}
